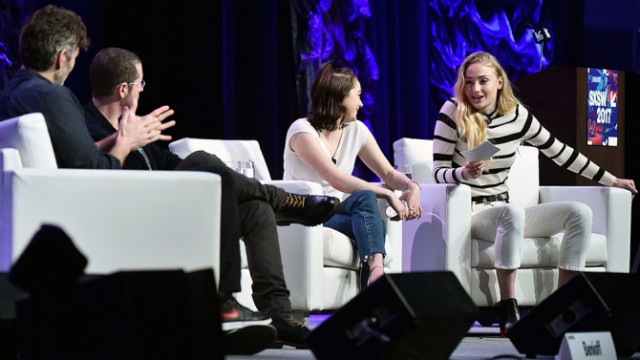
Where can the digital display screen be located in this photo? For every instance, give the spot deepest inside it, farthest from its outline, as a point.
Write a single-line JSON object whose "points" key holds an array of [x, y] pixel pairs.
{"points": [[602, 107]]}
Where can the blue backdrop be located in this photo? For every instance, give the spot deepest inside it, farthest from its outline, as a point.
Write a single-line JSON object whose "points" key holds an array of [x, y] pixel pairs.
{"points": [[405, 54], [242, 70]]}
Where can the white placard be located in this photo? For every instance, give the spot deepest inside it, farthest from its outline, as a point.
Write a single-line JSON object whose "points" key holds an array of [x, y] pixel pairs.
{"points": [[587, 346], [481, 152]]}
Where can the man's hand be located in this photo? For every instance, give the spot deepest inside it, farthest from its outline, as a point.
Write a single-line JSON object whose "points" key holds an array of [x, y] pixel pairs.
{"points": [[139, 131], [135, 132], [154, 123]]}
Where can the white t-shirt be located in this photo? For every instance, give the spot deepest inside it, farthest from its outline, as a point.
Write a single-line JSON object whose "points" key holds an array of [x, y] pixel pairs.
{"points": [[354, 137]]}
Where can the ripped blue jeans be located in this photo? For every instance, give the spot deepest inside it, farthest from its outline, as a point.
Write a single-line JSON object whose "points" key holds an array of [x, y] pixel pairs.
{"points": [[358, 218]]}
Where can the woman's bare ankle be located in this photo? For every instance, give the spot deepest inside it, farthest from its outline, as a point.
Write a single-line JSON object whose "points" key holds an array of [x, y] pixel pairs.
{"points": [[375, 272]]}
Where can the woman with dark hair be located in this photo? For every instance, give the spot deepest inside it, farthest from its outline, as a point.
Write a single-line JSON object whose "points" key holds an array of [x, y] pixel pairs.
{"points": [[323, 147], [485, 108]]}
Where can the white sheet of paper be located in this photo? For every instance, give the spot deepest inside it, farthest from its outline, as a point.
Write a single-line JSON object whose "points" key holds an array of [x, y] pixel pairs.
{"points": [[481, 152]]}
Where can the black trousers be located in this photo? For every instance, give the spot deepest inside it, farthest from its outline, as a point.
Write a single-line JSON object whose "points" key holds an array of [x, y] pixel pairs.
{"points": [[248, 210]]}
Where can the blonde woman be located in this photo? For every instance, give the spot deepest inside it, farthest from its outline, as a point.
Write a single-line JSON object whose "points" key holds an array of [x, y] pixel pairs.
{"points": [[485, 108]]}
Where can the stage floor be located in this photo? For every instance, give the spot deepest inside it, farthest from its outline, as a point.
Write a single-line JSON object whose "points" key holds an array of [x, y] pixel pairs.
{"points": [[472, 347], [481, 343]]}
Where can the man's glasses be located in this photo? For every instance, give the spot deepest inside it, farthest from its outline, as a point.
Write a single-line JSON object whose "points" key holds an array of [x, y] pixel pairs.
{"points": [[141, 83]]}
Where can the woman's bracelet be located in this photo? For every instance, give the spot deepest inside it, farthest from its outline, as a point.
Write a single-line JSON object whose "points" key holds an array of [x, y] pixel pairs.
{"points": [[413, 181]]}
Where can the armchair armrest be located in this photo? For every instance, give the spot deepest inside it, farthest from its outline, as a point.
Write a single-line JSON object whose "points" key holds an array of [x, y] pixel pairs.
{"points": [[439, 240], [120, 219], [611, 209]]}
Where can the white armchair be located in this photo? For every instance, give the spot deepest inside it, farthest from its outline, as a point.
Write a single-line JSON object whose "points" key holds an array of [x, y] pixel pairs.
{"points": [[120, 220], [320, 264], [441, 240]]}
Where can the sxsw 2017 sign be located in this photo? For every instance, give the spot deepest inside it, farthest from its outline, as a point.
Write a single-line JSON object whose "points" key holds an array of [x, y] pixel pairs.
{"points": [[602, 107]]}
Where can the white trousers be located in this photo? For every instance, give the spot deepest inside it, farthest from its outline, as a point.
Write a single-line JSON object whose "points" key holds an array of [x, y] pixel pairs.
{"points": [[509, 224]]}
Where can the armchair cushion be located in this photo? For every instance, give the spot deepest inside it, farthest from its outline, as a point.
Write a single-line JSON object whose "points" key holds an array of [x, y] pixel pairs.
{"points": [[28, 134], [523, 180], [417, 153], [338, 250], [226, 150]]}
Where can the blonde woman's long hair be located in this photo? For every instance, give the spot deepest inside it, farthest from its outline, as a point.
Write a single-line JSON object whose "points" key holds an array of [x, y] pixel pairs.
{"points": [[471, 123]]}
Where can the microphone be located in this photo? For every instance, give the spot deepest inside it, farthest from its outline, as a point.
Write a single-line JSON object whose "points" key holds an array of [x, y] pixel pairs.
{"points": [[540, 35]]}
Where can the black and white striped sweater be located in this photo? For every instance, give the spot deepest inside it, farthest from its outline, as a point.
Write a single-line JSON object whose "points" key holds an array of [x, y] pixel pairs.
{"points": [[507, 132]]}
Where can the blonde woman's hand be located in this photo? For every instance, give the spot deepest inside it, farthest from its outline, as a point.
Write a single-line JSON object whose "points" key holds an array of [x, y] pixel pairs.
{"points": [[626, 184], [473, 169]]}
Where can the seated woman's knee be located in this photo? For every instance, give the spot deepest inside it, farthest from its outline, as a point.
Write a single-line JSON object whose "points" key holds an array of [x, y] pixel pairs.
{"points": [[513, 213], [365, 196], [582, 209], [363, 199]]}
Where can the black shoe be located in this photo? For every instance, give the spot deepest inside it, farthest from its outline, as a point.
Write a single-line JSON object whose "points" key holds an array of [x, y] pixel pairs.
{"points": [[508, 314], [309, 210], [235, 316], [364, 275], [291, 331], [249, 339]]}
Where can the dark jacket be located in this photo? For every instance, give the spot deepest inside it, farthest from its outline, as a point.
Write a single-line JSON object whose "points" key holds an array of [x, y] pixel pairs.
{"points": [[29, 92]]}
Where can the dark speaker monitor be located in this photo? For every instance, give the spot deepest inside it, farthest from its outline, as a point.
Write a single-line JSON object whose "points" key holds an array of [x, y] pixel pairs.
{"points": [[420, 315], [128, 314], [589, 302], [51, 264], [9, 293], [159, 314]]}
